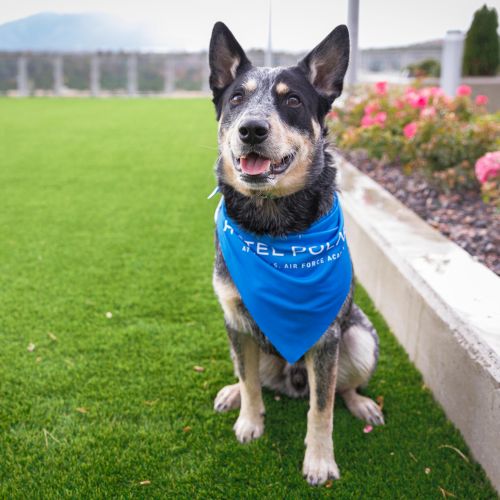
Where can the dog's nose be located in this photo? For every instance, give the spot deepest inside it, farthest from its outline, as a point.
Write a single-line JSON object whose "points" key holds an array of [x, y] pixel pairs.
{"points": [[253, 131]]}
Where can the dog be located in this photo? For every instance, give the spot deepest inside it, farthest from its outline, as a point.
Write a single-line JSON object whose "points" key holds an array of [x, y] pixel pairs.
{"points": [[277, 178]]}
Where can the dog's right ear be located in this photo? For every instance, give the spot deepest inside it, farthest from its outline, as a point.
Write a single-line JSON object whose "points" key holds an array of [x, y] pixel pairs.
{"points": [[226, 58]]}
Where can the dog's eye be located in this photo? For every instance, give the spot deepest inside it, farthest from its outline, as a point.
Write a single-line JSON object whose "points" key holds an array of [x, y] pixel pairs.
{"points": [[236, 98], [293, 101]]}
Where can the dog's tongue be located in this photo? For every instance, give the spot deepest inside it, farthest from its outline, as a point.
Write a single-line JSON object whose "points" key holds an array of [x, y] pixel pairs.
{"points": [[254, 164]]}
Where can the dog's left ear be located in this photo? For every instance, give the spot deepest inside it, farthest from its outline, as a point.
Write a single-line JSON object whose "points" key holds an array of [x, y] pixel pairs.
{"points": [[226, 58], [326, 64]]}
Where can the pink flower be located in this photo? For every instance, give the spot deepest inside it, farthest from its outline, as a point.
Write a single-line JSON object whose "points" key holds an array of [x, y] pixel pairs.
{"points": [[381, 88], [481, 100], [380, 118], [372, 107], [429, 112], [437, 91], [464, 90], [488, 166], [367, 121], [399, 104], [410, 130], [417, 101], [332, 115]]}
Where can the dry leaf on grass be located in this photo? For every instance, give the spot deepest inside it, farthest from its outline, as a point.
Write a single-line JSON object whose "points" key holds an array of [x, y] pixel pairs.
{"points": [[456, 450], [52, 336], [145, 482], [427, 470], [151, 402], [198, 369], [446, 493], [31, 347], [186, 429], [81, 409], [329, 484], [380, 402]]}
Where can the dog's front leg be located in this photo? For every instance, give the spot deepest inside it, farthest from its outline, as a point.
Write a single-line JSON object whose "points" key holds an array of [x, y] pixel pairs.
{"points": [[319, 462], [250, 423]]}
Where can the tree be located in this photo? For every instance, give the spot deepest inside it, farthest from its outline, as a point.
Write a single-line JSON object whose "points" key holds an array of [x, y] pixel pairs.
{"points": [[481, 44]]}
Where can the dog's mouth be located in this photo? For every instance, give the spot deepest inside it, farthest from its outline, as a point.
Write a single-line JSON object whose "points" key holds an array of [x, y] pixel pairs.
{"points": [[254, 166]]}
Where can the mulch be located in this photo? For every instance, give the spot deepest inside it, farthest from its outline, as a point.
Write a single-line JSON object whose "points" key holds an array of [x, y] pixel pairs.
{"points": [[463, 217]]}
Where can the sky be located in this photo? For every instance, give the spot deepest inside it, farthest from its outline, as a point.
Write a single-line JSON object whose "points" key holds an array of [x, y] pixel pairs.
{"points": [[297, 25]]}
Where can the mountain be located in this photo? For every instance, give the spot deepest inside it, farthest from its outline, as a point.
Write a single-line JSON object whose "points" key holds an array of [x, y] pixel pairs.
{"points": [[73, 32]]}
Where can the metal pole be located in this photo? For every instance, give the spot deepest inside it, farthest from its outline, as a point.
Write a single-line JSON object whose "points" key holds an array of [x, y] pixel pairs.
{"points": [[22, 76], [451, 61], [95, 76], [132, 75], [58, 75], [352, 24], [268, 60]]}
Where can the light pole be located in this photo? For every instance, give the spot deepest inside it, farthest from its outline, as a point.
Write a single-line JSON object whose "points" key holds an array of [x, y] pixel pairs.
{"points": [[352, 24], [268, 61]]}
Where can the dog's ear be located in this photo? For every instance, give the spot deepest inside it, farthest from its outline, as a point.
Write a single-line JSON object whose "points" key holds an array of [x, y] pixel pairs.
{"points": [[226, 58], [326, 64]]}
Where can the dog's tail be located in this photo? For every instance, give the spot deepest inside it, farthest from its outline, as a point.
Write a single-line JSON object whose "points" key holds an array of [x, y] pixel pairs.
{"points": [[296, 384]]}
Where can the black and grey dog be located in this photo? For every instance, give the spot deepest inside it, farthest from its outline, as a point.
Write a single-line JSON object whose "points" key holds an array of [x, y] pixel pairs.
{"points": [[276, 175]]}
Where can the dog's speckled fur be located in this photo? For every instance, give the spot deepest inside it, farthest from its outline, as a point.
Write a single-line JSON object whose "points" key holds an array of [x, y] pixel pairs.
{"points": [[292, 102]]}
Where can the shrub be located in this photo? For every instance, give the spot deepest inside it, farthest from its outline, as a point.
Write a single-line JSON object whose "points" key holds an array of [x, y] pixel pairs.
{"points": [[481, 44], [428, 67], [420, 129]]}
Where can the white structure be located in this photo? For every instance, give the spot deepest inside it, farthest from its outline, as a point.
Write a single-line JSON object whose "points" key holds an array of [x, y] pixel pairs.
{"points": [[58, 75], [132, 75], [352, 24], [451, 61], [169, 75], [95, 76], [22, 76]]}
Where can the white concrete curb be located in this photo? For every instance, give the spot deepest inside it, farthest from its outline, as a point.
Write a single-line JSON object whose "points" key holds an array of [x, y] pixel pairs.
{"points": [[441, 304]]}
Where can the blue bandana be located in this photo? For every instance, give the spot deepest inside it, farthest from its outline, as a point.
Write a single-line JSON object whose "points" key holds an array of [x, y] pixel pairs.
{"points": [[293, 286]]}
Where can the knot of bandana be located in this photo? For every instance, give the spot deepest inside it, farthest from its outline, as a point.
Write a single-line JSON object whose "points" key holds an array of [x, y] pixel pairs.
{"points": [[293, 286]]}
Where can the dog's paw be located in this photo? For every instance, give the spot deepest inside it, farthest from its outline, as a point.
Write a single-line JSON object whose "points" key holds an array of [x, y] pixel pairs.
{"points": [[319, 467], [248, 429], [228, 398], [365, 409]]}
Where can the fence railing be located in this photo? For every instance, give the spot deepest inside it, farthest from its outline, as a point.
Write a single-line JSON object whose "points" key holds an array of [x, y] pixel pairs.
{"points": [[109, 73]]}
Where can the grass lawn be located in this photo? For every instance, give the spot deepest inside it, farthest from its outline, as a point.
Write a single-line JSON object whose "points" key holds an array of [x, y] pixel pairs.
{"points": [[106, 306]]}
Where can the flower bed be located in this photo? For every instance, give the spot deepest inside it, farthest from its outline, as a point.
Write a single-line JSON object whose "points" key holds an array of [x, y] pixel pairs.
{"points": [[435, 153]]}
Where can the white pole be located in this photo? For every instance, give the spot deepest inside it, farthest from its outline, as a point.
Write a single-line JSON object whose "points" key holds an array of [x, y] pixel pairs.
{"points": [[352, 24], [132, 74], [22, 76], [169, 74], [451, 61], [58, 74], [95, 76], [268, 61]]}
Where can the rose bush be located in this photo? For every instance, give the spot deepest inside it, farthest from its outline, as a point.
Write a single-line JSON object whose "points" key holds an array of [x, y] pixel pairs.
{"points": [[421, 128]]}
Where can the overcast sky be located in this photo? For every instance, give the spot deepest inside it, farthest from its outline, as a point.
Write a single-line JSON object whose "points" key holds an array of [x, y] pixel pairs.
{"points": [[297, 24]]}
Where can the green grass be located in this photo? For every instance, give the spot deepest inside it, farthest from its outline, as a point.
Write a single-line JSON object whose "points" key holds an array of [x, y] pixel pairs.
{"points": [[103, 209]]}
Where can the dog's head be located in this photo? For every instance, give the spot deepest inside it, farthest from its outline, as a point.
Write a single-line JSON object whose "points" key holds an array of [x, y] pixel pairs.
{"points": [[271, 120]]}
